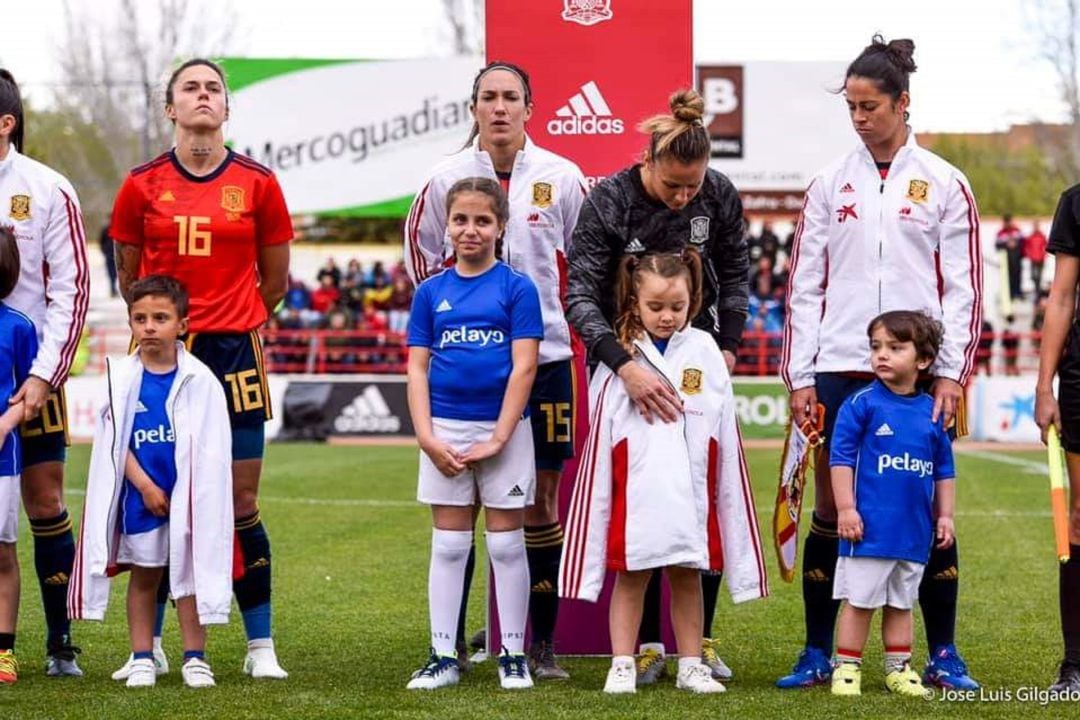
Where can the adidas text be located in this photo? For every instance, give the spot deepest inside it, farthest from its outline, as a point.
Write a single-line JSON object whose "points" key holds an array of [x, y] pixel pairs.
{"points": [[586, 126], [906, 463]]}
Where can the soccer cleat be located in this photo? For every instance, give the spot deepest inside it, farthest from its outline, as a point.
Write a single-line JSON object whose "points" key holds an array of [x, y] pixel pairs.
{"points": [[161, 663], [439, 671], [197, 673], [60, 660], [621, 678], [543, 664], [1068, 680], [905, 682], [812, 668], [698, 678], [947, 670], [261, 660], [9, 668], [142, 674], [847, 679], [711, 658], [514, 671], [651, 666]]}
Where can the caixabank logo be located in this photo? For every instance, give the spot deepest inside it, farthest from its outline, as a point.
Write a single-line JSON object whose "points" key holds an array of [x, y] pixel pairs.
{"points": [[586, 113]]}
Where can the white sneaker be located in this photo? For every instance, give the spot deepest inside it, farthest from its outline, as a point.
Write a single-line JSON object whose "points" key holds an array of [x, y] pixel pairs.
{"points": [[622, 677], [439, 671], [161, 663], [261, 660], [142, 673], [197, 674], [698, 678], [514, 671]]}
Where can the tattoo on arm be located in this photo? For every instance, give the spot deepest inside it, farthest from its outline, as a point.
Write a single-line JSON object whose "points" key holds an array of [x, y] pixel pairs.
{"points": [[127, 266]]}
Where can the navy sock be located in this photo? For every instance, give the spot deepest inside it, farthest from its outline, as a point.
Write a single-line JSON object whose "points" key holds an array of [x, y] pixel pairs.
{"points": [[7, 641], [189, 654], [938, 594], [1069, 594], [253, 589], [54, 555], [819, 566], [710, 588], [148, 655], [470, 567], [543, 547]]}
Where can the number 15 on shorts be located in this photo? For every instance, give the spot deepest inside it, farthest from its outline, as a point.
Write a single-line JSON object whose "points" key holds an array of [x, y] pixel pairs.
{"points": [[558, 417]]}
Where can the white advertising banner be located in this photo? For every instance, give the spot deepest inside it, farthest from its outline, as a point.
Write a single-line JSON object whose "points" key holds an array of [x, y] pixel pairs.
{"points": [[350, 137], [775, 124], [1003, 409]]}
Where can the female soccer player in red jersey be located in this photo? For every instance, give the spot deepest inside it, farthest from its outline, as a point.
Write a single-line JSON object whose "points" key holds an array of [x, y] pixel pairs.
{"points": [[1059, 355], [217, 221], [53, 290]]}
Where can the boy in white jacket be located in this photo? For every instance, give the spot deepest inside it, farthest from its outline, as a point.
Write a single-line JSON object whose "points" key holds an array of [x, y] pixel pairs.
{"points": [[160, 488]]}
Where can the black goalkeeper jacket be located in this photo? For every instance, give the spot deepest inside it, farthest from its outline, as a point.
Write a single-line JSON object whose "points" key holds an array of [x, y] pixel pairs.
{"points": [[618, 218]]}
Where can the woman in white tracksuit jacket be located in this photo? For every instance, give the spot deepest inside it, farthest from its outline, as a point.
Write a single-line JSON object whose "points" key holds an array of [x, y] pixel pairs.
{"points": [[662, 495], [889, 226], [200, 509]]}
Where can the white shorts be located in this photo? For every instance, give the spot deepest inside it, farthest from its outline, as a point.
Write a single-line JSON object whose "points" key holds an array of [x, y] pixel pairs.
{"points": [[870, 583], [505, 482], [147, 549], [10, 502]]}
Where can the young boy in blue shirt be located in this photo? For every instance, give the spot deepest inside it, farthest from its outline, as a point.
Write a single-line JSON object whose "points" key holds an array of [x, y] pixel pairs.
{"points": [[894, 483], [18, 346]]}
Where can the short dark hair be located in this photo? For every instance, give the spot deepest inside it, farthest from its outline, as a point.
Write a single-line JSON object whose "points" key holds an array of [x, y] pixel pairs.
{"points": [[11, 104], [9, 261], [160, 286], [911, 326], [192, 63]]}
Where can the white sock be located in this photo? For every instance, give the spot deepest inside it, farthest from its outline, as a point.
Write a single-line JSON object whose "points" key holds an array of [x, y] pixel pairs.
{"points": [[622, 660], [449, 553], [511, 566], [658, 647], [687, 662]]}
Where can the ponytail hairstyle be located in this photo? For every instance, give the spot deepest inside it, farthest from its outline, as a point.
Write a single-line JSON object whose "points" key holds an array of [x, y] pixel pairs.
{"points": [[680, 135], [526, 90], [9, 261], [628, 281], [500, 204], [169, 95], [888, 64], [11, 104]]}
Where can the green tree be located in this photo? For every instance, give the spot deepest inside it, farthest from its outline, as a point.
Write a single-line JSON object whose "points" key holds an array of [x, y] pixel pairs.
{"points": [[1021, 182]]}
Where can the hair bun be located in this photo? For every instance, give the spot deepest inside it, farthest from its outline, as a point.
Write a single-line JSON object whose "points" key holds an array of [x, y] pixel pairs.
{"points": [[902, 51], [687, 106]]}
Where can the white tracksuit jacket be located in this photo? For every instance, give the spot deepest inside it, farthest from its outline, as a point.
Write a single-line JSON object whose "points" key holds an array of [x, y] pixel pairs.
{"points": [[864, 246], [649, 496], [40, 205], [201, 507], [546, 193]]}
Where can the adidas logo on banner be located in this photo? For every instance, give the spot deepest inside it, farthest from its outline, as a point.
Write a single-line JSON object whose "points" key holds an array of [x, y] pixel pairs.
{"points": [[634, 246], [884, 430], [516, 491], [586, 113], [368, 413], [444, 306]]}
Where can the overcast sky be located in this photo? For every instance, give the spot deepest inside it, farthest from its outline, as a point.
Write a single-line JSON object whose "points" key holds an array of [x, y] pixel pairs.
{"points": [[977, 65]]}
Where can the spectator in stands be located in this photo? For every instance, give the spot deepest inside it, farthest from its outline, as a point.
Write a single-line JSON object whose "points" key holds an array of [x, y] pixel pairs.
{"points": [[1011, 240], [339, 342], [767, 242], [354, 274], [1035, 252], [1042, 299], [399, 304], [377, 277], [1010, 346], [110, 260], [330, 269], [763, 282], [297, 297], [327, 295], [985, 349], [378, 295]]}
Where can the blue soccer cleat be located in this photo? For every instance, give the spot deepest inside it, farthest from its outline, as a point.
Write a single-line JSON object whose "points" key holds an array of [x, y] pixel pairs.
{"points": [[948, 670], [812, 668]]}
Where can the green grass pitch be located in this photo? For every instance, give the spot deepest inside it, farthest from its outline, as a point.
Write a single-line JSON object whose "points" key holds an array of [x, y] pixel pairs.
{"points": [[350, 577]]}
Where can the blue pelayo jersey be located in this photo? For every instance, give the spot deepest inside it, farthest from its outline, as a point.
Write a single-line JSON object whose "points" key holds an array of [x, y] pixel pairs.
{"points": [[154, 445], [898, 455], [468, 323], [18, 346]]}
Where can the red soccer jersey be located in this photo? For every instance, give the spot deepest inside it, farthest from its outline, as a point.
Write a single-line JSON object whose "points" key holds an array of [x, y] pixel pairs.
{"points": [[205, 232]]}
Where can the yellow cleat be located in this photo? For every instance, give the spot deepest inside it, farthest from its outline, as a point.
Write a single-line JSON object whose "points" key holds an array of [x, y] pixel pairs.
{"points": [[907, 682], [9, 668], [847, 679]]}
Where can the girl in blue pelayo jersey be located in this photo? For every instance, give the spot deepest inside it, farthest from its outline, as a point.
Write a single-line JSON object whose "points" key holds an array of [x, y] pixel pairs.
{"points": [[474, 334], [18, 346], [895, 490]]}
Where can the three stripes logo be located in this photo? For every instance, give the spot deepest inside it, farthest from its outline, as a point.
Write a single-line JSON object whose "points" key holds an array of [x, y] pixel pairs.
{"points": [[586, 113], [368, 413]]}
